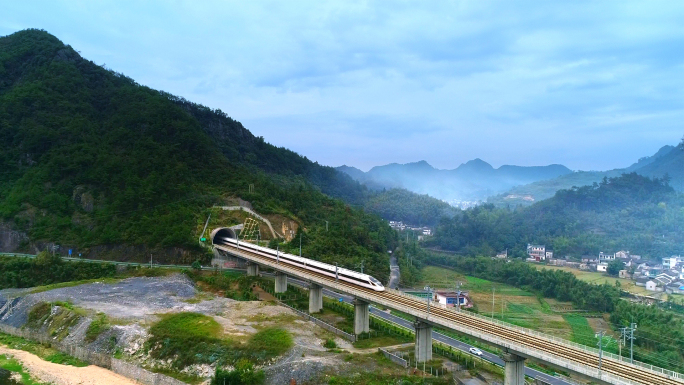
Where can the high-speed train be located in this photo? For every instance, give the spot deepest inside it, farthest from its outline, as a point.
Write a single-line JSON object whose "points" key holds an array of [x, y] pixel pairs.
{"points": [[342, 274]]}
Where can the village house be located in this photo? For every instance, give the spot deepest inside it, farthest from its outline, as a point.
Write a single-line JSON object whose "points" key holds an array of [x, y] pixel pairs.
{"points": [[536, 252], [622, 254], [653, 286], [602, 267], [673, 261], [675, 288], [453, 298], [606, 257]]}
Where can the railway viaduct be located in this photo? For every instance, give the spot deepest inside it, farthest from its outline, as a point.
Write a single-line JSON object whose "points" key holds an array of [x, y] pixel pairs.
{"points": [[516, 343]]}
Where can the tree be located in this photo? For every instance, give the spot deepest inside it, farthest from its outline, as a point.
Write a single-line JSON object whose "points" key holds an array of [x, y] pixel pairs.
{"points": [[614, 267], [197, 265]]}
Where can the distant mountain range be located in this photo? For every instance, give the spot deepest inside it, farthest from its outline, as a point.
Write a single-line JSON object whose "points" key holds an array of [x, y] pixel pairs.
{"points": [[669, 160], [472, 181]]}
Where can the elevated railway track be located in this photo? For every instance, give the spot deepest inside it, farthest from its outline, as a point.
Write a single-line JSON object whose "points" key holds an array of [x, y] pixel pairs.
{"points": [[519, 341]]}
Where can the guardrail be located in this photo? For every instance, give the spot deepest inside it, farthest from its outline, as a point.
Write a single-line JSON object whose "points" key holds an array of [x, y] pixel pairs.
{"points": [[324, 325], [515, 346], [135, 264]]}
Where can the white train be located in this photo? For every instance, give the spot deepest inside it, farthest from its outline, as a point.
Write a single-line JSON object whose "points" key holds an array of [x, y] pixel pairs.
{"points": [[342, 274]]}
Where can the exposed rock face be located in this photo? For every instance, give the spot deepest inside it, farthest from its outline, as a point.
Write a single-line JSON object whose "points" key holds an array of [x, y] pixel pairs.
{"points": [[10, 239]]}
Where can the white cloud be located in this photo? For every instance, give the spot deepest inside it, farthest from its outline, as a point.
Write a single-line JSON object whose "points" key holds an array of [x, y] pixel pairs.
{"points": [[371, 82]]}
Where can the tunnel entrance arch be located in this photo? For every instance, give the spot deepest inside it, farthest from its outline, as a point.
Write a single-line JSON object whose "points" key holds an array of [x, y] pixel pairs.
{"points": [[222, 232]]}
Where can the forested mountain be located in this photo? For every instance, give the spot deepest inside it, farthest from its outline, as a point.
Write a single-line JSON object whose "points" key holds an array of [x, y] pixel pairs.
{"points": [[666, 161], [629, 212], [473, 180], [90, 158]]}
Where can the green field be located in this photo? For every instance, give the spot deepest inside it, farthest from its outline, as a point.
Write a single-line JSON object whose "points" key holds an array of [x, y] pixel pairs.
{"points": [[514, 305]]}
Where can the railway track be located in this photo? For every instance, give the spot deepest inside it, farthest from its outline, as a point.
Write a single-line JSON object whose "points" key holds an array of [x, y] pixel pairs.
{"points": [[623, 370]]}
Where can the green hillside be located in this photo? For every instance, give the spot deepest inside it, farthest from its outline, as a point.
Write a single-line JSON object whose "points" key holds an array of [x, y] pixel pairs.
{"points": [[667, 162], [90, 158], [630, 212]]}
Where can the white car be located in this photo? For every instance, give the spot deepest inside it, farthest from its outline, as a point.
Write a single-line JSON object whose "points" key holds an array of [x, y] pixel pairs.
{"points": [[475, 351]]}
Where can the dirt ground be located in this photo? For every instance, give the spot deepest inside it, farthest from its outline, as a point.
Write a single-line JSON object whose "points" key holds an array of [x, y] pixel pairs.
{"points": [[63, 374]]}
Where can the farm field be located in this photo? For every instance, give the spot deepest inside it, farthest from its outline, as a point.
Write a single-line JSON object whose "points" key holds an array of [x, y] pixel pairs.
{"points": [[599, 278], [517, 306]]}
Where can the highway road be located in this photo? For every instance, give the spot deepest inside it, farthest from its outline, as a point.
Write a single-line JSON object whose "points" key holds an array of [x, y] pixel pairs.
{"points": [[446, 340]]}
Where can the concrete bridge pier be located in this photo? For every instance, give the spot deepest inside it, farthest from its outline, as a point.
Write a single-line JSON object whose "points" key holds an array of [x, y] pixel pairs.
{"points": [[252, 269], [361, 316], [423, 341], [514, 369], [315, 298], [280, 282]]}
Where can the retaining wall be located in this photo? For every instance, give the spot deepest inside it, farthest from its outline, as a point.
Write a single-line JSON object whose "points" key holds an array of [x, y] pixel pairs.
{"points": [[103, 360]]}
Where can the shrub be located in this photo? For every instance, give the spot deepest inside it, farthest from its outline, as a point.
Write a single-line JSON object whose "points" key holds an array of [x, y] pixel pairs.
{"points": [[329, 344], [96, 327], [243, 374]]}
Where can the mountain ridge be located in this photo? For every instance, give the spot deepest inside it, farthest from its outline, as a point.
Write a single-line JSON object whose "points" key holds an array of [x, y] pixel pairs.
{"points": [[668, 160], [472, 180]]}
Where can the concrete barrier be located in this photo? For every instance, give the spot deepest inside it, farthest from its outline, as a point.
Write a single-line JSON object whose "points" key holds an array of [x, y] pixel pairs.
{"points": [[394, 358]]}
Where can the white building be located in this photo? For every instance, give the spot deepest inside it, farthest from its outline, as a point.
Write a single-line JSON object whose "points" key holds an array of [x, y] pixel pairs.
{"points": [[606, 257], [622, 254], [536, 252], [452, 298], [603, 267], [651, 286]]}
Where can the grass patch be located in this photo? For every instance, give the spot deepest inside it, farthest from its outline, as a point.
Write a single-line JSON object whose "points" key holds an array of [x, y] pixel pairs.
{"points": [[40, 289], [270, 342], [42, 351], [379, 341], [59, 318], [13, 366], [191, 325], [96, 327], [187, 339]]}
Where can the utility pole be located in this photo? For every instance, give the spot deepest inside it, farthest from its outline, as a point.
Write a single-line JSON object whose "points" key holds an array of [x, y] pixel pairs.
{"points": [[632, 328], [429, 291], [336, 268], [300, 245], [623, 334], [326, 226], [493, 288], [277, 253], [150, 261], [458, 295], [600, 345]]}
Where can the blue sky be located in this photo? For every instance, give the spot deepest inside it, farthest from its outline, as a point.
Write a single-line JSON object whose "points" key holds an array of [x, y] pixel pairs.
{"points": [[589, 84]]}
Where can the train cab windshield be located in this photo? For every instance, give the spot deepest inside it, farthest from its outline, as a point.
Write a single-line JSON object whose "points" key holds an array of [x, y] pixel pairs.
{"points": [[375, 281]]}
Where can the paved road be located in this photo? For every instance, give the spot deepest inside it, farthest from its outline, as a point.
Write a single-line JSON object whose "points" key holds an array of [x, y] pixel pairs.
{"points": [[456, 344]]}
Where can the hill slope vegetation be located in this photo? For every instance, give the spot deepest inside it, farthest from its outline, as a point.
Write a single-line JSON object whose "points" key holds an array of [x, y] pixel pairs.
{"points": [[92, 158], [630, 212]]}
